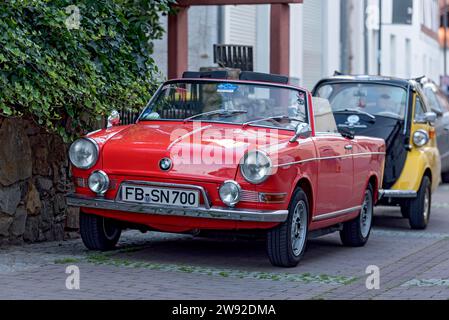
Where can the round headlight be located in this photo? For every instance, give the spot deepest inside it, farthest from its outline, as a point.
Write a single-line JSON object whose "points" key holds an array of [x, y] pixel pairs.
{"points": [[256, 167], [230, 193], [420, 138], [83, 153], [98, 182]]}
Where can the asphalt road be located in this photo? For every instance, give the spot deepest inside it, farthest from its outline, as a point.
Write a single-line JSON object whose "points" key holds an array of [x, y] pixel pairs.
{"points": [[411, 264]]}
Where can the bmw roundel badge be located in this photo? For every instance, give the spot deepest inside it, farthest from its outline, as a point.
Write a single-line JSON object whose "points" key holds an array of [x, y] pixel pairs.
{"points": [[165, 164]]}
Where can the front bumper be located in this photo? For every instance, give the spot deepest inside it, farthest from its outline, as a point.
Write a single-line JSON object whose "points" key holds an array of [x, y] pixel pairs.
{"points": [[200, 212], [402, 194]]}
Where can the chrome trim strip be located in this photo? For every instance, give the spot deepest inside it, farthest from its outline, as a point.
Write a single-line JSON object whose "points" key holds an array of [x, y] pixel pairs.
{"points": [[369, 154], [249, 196], [329, 158], [397, 194], [335, 214], [218, 213], [203, 192]]}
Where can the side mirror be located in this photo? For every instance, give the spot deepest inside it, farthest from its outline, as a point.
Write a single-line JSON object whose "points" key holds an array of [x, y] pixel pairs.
{"points": [[303, 131], [437, 112], [430, 117], [113, 119]]}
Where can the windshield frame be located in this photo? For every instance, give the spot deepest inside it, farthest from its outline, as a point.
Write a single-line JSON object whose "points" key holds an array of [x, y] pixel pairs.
{"points": [[244, 82], [406, 86]]}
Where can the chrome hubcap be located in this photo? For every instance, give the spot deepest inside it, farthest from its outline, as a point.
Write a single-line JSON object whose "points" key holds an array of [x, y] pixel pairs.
{"points": [[366, 215], [109, 230], [426, 205], [299, 227]]}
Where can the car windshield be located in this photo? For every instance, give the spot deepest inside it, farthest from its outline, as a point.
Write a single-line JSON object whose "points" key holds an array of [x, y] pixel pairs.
{"points": [[366, 98], [228, 102]]}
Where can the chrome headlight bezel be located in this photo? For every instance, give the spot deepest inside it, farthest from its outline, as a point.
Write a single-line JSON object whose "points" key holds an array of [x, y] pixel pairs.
{"points": [[75, 149], [236, 188], [248, 165], [420, 138], [103, 185]]}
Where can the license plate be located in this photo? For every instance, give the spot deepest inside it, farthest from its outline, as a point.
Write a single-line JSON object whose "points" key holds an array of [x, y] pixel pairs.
{"points": [[158, 195]]}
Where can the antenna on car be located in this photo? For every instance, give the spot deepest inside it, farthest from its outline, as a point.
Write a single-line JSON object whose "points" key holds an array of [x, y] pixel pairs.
{"points": [[338, 73]]}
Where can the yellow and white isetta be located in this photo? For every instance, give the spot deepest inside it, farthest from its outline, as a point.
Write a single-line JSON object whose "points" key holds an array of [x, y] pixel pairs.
{"points": [[395, 110]]}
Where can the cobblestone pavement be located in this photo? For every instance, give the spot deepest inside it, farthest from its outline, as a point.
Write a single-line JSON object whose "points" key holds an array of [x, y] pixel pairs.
{"points": [[413, 265]]}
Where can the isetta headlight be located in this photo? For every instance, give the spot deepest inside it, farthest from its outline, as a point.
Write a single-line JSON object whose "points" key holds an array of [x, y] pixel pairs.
{"points": [[230, 193], [98, 182], [256, 167], [420, 138], [83, 153]]}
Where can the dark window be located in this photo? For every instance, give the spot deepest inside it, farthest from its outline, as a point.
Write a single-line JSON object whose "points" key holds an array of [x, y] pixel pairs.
{"points": [[402, 11]]}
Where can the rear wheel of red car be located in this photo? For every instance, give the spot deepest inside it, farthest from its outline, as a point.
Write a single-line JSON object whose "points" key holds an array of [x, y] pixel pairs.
{"points": [[286, 243], [355, 233], [99, 233], [419, 208]]}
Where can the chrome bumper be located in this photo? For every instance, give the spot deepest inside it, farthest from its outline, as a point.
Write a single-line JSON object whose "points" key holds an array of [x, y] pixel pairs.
{"points": [[200, 212], [403, 194]]}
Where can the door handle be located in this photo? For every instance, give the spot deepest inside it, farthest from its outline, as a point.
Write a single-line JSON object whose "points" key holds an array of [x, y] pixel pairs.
{"points": [[446, 128], [348, 147]]}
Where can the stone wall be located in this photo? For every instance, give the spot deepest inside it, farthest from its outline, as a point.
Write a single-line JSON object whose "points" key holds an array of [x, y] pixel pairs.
{"points": [[34, 178]]}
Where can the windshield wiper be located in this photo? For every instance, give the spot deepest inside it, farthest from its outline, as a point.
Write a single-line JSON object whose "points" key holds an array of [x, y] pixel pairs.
{"points": [[216, 112], [272, 118], [357, 111]]}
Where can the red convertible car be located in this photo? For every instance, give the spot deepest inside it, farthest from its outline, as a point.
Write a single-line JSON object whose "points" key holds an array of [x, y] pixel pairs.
{"points": [[213, 153]]}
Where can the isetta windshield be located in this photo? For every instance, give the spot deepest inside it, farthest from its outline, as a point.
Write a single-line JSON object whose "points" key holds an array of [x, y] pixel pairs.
{"points": [[229, 102], [374, 99]]}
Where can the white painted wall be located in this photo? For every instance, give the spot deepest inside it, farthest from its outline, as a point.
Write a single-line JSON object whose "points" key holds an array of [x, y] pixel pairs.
{"points": [[406, 50]]}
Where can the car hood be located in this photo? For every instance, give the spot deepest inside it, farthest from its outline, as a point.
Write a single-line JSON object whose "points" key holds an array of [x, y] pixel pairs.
{"points": [[210, 151]]}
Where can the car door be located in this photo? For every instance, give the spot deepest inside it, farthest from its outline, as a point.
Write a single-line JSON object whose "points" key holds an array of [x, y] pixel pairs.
{"points": [[335, 173]]}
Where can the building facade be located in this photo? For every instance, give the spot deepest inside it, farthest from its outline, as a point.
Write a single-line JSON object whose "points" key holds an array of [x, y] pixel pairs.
{"points": [[325, 36]]}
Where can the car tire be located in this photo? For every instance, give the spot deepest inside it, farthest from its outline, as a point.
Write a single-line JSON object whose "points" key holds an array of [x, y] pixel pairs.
{"points": [[287, 242], [445, 177], [420, 207], [355, 233], [99, 233]]}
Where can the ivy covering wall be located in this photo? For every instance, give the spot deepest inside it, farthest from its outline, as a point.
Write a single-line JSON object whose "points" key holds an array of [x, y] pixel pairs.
{"points": [[66, 63]]}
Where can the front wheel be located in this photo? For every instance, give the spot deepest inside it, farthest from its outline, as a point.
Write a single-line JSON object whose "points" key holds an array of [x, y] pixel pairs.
{"points": [[286, 243], [355, 233], [99, 233], [419, 208]]}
